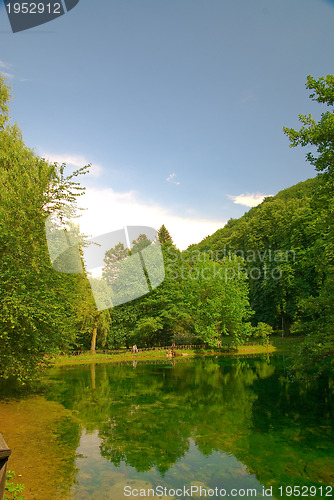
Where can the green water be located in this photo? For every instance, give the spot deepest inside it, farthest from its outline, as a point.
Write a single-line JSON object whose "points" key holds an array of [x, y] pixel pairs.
{"points": [[238, 425], [230, 424]]}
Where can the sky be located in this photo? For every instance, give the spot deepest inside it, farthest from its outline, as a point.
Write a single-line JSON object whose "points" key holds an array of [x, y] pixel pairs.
{"points": [[177, 104]]}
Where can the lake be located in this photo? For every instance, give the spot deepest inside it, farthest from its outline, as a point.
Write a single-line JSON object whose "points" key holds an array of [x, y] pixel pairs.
{"points": [[200, 428]]}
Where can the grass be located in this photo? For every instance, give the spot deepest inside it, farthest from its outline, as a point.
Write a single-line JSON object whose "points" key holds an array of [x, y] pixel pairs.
{"points": [[254, 349], [117, 358], [286, 342], [278, 344]]}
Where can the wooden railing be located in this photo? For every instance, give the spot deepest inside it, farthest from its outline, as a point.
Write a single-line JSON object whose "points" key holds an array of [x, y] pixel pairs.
{"points": [[140, 349], [4, 454], [168, 347], [263, 342]]}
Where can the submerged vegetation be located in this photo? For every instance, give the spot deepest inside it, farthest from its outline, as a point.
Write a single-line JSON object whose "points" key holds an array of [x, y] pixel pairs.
{"points": [[270, 270], [211, 421]]}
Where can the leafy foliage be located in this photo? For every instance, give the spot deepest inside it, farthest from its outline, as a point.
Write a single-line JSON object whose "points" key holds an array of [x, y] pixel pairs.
{"points": [[273, 266], [37, 304], [317, 310], [12, 490], [288, 244], [275, 241], [200, 301], [164, 236], [319, 134]]}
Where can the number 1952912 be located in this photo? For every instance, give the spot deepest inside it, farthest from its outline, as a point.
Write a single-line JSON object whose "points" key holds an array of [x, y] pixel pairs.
{"points": [[306, 491], [33, 8]]}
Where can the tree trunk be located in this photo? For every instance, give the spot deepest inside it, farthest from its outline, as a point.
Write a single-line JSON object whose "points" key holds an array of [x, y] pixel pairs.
{"points": [[93, 343], [286, 324]]}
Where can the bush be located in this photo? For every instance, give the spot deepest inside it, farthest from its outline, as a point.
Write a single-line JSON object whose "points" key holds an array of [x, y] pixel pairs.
{"points": [[263, 330]]}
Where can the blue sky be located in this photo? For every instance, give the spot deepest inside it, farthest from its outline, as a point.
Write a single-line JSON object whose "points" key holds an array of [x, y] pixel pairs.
{"points": [[178, 104]]}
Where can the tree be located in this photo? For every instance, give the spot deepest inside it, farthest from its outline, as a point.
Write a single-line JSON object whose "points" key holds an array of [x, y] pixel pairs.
{"points": [[112, 260], [218, 299], [92, 325], [155, 317], [319, 134], [164, 236], [316, 354], [263, 331], [4, 103], [37, 314], [276, 240]]}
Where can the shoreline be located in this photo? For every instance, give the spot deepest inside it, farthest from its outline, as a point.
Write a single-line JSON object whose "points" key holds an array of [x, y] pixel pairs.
{"points": [[160, 355]]}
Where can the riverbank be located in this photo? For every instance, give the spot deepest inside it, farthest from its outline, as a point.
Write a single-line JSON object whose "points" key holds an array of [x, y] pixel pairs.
{"points": [[276, 345]]}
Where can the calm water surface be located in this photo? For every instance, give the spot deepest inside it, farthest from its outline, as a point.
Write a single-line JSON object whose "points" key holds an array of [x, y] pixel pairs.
{"points": [[238, 425]]}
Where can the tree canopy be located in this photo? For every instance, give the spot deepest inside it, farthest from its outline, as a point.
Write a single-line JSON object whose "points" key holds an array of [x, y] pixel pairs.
{"points": [[271, 269], [38, 305], [287, 243], [319, 134]]}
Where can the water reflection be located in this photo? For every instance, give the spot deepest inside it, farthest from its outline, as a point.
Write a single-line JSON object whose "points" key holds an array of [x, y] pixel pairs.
{"points": [[234, 423], [98, 479]]}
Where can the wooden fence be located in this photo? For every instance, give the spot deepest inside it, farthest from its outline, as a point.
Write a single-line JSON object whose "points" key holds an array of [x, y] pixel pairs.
{"points": [[140, 349], [168, 347]]}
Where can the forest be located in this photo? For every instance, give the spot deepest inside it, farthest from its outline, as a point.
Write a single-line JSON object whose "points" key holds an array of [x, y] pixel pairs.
{"points": [[269, 271]]}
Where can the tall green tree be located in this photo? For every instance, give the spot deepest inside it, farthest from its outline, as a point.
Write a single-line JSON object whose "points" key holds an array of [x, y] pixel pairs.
{"points": [[316, 354], [154, 318], [198, 302], [92, 325], [164, 236], [37, 314], [319, 134], [218, 298]]}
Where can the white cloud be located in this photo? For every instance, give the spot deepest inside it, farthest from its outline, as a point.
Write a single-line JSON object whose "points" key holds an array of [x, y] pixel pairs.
{"points": [[74, 160], [4, 65], [249, 199], [108, 210], [171, 178], [7, 75]]}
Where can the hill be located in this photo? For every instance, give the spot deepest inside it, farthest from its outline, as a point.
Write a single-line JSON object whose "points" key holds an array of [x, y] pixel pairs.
{"points": [[280, 246], [301, 191]]}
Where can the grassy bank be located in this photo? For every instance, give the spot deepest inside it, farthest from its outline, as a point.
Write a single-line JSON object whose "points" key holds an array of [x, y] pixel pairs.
{"points": [[117, 358], [278, 344]]}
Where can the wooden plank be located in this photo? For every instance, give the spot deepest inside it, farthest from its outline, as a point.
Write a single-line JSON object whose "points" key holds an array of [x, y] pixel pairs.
{"points": [[3, 470], [4, 450]]}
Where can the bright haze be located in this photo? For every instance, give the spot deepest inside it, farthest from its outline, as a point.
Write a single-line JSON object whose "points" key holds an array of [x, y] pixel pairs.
{"points": [[177, 104]]}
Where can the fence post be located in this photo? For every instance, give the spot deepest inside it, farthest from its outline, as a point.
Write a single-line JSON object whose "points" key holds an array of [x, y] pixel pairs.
{"points": [[4, 454]]}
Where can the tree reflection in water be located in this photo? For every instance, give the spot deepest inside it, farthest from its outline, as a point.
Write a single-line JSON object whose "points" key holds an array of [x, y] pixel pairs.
{"points": [[221, 419]]}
